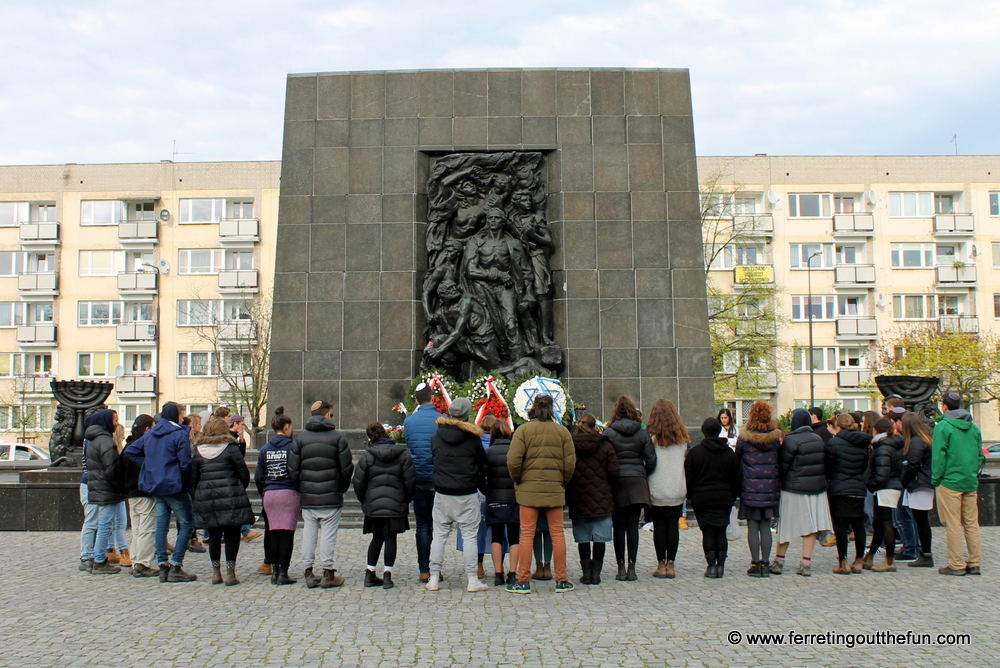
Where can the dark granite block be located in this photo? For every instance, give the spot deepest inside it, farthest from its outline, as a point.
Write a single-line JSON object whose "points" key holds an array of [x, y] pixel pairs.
{"points": [[321, 365], [286, 365], [300, 98], [538, 131], [553, 172], [397, 247], [470, 93], [401, 132], [366, 132], [690, 322], [368, 95], [332, 133], [329, 210], [398, 286], [504, 92], [325, 325], [619, 387], [294, 210], [581, 284], [361, 326], [577, 167], [618, 322], [694, 362], [53, 509], [653, 283], [650, 205], [651, 243], [326, 286], [396, 325], [469, 131], [300, 134], [656, 329], [580, 242], [583, 323], [642, 93], [588, 392], [538, 92], [394, 391], [557, 258], [659, 388], [397, 208], [684, 205], [320, 389], [331, 171], [558, 283], [578, 206], [613, 206], [363, 244], [287, 332], [12, 507], [358, 365], [364, 208], [678, 130], [689, 283], [573, 130], [399, 168], [695, 401], [395, 364], [358, 402], [643, 129], [621, 362], [680, 171], [617, 283], [644, 166], [607, 92], [614, 247], [573, 92], [297, 172], [328, 248], [287, 393], [435, 132], [436, 93], [658, 362], [610, 168], [334, 96], [685, 244], [361, 285], [675, 93], [504, 130], [401, 96], [294, 246], [559, 322], [609, 129], [584, 362], [289, 287], [366, 170]]}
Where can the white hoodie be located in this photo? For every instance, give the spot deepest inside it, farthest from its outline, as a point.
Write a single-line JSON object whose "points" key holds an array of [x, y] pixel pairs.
{"points": [[666, 483]]}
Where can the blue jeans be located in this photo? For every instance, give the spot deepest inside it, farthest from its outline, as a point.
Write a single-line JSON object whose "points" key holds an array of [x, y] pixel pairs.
{"points": [[180, 505], [423, 509], [106, 516], [118, 538], [88, 534], [906, 527]]}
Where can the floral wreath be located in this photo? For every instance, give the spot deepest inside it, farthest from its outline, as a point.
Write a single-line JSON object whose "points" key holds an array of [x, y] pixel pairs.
{"points": [[444, 386]]}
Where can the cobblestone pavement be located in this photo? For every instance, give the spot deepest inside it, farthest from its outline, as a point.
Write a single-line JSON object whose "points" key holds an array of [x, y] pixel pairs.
{"points": [[57, 616]]}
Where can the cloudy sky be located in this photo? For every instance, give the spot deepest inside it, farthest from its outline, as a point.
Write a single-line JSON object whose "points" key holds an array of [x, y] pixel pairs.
{"points": [[121, 81]]}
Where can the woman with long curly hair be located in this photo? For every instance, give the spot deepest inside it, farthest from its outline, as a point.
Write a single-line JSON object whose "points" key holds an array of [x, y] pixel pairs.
{"points": [[760, 487], [667, 488]]}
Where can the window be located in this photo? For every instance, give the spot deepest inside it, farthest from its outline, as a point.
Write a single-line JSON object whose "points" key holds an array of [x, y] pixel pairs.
{"points": [[102, 212], [808, 205], [912, 307], [138, 311], [843, 204], [12, 263], [101, 262], [824, 359], [911, 205], [143, 211], [800, 254], [995, 204], [13, 213], [35, 417], [12, 314], [851, 306], [100, 314], [737, 255], [236, 364], [850, 358], [721, 205], [236, 260], [996, 306], [202, 210], [197, 312], [944, 203], [996, 255], [733, 361], [41, 263], [138, 363], [822, 307], [237, 310], [41, 365], [200, 261], [242, 209], [947, 254], [40, 312], [11, 364], [912, 255], [850, 254], [197, 364], [852, 405], [98, 365], [950, 305], [45, 213]]}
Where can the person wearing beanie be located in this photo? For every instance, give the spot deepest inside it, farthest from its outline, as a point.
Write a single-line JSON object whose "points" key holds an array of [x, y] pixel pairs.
{"points": [[419, 428], [803, 509], [711, 473], [459, 475]]}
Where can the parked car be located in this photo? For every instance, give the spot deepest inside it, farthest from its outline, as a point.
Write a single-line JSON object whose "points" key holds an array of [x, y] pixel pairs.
{"points": [[992, 451], [23, 456]]}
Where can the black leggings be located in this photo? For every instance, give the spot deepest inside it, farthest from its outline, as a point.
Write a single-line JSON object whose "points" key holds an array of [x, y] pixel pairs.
{"points": [[842, 526], [231, 535], [626, 525], [513, 533], [883, 533], [923, 522], [666, 532], [278, 544], [585, 553], [375, 548], [759, 539], [713, 539]]}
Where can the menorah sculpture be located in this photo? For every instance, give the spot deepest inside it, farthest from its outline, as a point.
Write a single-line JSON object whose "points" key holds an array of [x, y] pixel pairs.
{"points": [[77, 400], [917, 392]]}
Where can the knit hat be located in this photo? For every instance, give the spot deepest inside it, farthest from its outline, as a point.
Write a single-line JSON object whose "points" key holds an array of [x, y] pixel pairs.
{"points": [[711, 427], [460, 408], [234, 418], [801, 418]]}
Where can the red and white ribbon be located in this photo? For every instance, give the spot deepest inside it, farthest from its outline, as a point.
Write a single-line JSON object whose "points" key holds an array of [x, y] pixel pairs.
{"points": [[491, 388], [437, 383]]}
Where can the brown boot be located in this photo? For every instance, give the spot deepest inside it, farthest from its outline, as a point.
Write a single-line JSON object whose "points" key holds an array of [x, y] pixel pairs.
{"points": [[480, 573], [231, 579], [331, 579], [669, 570], [867, 562], [311, 580], [265, 569], [546, 571], [113, 557], [216, 573], [885, 567], [539, 573], [661, 569], [858, 566], [125, 560], [842, 568]]}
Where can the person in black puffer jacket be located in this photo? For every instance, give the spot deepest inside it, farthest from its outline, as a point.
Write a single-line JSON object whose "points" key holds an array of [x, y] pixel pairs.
{"points": [[803, 508], [590, 496], [712, 476], [636, 459], [846, 463], [219, 492], [104, 483], [503, 515], [384, 480], [885, 481], [916, 481]]}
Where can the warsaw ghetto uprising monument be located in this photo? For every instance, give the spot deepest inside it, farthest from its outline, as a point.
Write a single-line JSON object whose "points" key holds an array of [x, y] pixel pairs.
{"points": [[487, 295]]}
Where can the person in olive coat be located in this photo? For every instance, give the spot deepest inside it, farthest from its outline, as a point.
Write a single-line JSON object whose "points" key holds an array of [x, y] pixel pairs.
{"points": [[219, 493], [846, 463], [712, 476], [886, 483], [105, 486]]}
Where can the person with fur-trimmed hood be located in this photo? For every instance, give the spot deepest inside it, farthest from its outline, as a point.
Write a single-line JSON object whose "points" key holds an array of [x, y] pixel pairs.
{"points": [[760, 484], [459, 474]]}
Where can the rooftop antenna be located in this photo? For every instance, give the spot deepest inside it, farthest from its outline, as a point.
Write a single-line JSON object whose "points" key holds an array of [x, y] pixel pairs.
{"points": [[954, 140], [175, 152]]}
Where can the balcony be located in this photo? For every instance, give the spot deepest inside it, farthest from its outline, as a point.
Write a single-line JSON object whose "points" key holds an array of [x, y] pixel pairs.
{"points": [[956, 274], [966, 324], [38, 285], [239, 232], [41, 384], [853, 225], [849, 378], [138, 283], [756, 328], [138, 233], [753, 224], [854, 275], [136, 332], [760, 274], [865, 327], [36, 335], [243, 384], [135, 385], [237, 331], [954, 224], [764, 380], [41, 236], [239, 281]]}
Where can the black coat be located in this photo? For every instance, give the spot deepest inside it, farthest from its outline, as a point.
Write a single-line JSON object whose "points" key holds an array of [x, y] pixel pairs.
{"points": [[499, 484], [128, 474], [384, 479], [459, 458], [589, 492], [887, 464], [917, 466], [821, 430], [320, 464], [104, 484], [712, 474], [220, 477], [757, 453], [634, 448], [847, 460], [802, 462]]}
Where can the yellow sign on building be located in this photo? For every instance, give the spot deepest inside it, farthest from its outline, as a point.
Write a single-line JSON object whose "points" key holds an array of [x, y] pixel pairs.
{"points": [[757, 274]]}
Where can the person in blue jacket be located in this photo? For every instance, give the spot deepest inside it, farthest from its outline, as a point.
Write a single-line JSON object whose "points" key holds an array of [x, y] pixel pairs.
{"points": [[164, 455], [418, 429]]}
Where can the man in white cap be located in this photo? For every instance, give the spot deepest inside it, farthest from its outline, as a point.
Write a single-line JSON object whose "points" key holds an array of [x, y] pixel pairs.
{"points": [[419, 427]]}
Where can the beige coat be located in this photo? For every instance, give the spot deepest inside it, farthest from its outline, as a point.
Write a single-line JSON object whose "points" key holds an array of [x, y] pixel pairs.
{"points": [[541, 462]]}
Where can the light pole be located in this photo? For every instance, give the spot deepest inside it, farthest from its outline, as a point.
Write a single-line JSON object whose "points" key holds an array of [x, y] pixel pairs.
{"points": [[812, 364]]}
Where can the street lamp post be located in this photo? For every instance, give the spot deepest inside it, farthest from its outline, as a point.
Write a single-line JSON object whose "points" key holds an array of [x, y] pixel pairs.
{"points": [[812, 363]]}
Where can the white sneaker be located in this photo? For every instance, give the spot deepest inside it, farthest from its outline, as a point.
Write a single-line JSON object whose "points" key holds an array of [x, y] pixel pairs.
{"points": [[648, 526], [432, 584], [475, 585]]}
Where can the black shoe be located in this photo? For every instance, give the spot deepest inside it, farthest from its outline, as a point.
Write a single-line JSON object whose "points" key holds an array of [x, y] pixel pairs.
{"points": [[754, 570], [311, 580], [630, 575], [621, 572], [372, 580], [765, 569], [499, 580], [923, 560], [972, 570], [387, 580], [595, 571], [511, 578], [164, 572], [178, 574], [585, 568], [85, 565], [282, 577], [105, 567], [720, 567], [274, 575], [710, 559], [906, 557]]}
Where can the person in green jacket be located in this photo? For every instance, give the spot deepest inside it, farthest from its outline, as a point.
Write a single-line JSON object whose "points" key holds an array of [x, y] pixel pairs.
{"points": [[957, 456]]}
